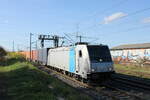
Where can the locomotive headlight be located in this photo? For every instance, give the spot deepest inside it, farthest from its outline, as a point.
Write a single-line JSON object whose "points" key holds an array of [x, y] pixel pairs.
{"points": [[93, 70], [110, 68]]}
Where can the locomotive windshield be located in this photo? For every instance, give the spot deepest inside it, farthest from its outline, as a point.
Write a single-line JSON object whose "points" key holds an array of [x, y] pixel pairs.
{"points": [[99, 54]]}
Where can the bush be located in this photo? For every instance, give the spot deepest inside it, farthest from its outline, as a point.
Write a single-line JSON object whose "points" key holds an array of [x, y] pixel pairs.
{"points": [[11, 58], [16, 56]]}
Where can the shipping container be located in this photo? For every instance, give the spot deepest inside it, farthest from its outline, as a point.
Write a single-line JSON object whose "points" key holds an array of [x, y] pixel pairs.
{"points": [[42, 55]]}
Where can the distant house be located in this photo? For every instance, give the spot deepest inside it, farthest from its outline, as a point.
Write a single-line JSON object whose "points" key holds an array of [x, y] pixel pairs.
{"points": [[131, 52]]}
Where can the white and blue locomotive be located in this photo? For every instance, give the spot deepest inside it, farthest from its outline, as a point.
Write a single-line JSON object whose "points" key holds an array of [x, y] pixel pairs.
{"points": [[83, 61]]}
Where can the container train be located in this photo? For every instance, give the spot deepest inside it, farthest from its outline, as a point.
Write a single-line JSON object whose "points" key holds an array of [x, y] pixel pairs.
{"points": [[82, 61]]}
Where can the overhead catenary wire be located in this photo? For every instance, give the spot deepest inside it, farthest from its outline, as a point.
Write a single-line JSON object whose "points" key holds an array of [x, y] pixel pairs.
{"points": [[85, 36], [69, 35], [69, 38], [93, 41]]}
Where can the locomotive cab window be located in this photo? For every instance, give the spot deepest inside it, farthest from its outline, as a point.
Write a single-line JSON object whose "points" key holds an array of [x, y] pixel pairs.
{"points": [[99, 54], [80, 53]]}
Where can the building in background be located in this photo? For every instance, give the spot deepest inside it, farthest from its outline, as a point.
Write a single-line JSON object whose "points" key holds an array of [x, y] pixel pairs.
{"points": [[131, 52]]}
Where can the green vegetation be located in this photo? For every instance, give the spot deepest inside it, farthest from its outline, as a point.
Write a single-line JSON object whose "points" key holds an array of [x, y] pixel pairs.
{"points": [[11, 58], [3, 53], [143, 72], [20, 80]]}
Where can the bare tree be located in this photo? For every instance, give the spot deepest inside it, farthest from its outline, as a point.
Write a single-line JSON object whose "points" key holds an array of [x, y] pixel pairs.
{"points": [[141, 61]]}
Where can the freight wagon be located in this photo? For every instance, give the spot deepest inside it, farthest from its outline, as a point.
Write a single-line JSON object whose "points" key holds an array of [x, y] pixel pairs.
{"points": [[42, 56], [82, 61], [34, 55]]}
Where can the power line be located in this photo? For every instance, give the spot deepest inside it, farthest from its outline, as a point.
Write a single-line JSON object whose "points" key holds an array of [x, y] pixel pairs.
{"points": [[108, 9], [133, 28], [138, 11], [130, 14], [105, 10], [134, 13], [133, 21], [114, 6]]}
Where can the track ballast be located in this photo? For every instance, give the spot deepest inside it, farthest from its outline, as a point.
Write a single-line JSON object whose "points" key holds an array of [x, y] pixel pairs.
{"points": [[98, 91]]}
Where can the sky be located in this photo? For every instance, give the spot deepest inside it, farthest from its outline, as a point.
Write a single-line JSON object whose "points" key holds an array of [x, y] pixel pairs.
{"points": [[111, 22]]}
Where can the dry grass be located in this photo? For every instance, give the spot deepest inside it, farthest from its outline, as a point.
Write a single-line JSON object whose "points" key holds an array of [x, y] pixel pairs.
{"points": [[143, 72]]}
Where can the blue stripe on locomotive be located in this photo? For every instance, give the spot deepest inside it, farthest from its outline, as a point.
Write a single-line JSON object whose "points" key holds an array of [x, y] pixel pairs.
{"points": [[72, 60]]}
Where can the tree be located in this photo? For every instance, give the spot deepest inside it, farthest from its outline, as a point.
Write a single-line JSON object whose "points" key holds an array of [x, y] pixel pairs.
{"points": [[3, 53]]}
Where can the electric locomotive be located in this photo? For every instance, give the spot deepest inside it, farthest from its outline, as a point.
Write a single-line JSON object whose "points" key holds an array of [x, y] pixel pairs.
{"points": [[82, 61]]}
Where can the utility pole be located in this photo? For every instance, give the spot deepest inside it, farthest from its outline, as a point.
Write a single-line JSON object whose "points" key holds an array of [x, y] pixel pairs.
{"points": [[13, 48], [77, 33], [30, 45], [36, 45], [18, 47], [80, 38]]}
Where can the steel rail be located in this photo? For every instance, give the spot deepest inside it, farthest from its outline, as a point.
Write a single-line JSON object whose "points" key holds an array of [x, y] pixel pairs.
{"points": [[132, 82], [91, 90]]}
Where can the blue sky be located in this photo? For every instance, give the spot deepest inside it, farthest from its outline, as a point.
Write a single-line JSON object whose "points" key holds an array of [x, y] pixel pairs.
{"points": [[111, 21]]}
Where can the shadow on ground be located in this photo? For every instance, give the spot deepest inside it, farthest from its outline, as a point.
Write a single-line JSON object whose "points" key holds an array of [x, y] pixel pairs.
{"points": [[3, 87], [10, 61], [25, 82]]}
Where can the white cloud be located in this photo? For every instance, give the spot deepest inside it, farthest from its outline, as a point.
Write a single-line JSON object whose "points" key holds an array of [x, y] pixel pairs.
{"points": [[146, 20], [113, 17]]}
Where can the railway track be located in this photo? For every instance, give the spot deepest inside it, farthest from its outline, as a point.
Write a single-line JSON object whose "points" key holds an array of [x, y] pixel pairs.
{"points": [[132, 83], [99, 92]]}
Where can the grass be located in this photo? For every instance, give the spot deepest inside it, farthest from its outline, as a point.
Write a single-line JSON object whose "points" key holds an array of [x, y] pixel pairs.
{"points": [[23, 81], [142, 72]]}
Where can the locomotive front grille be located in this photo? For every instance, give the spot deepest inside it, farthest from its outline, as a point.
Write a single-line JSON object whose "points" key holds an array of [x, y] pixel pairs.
{"points": [[102, 67]]}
